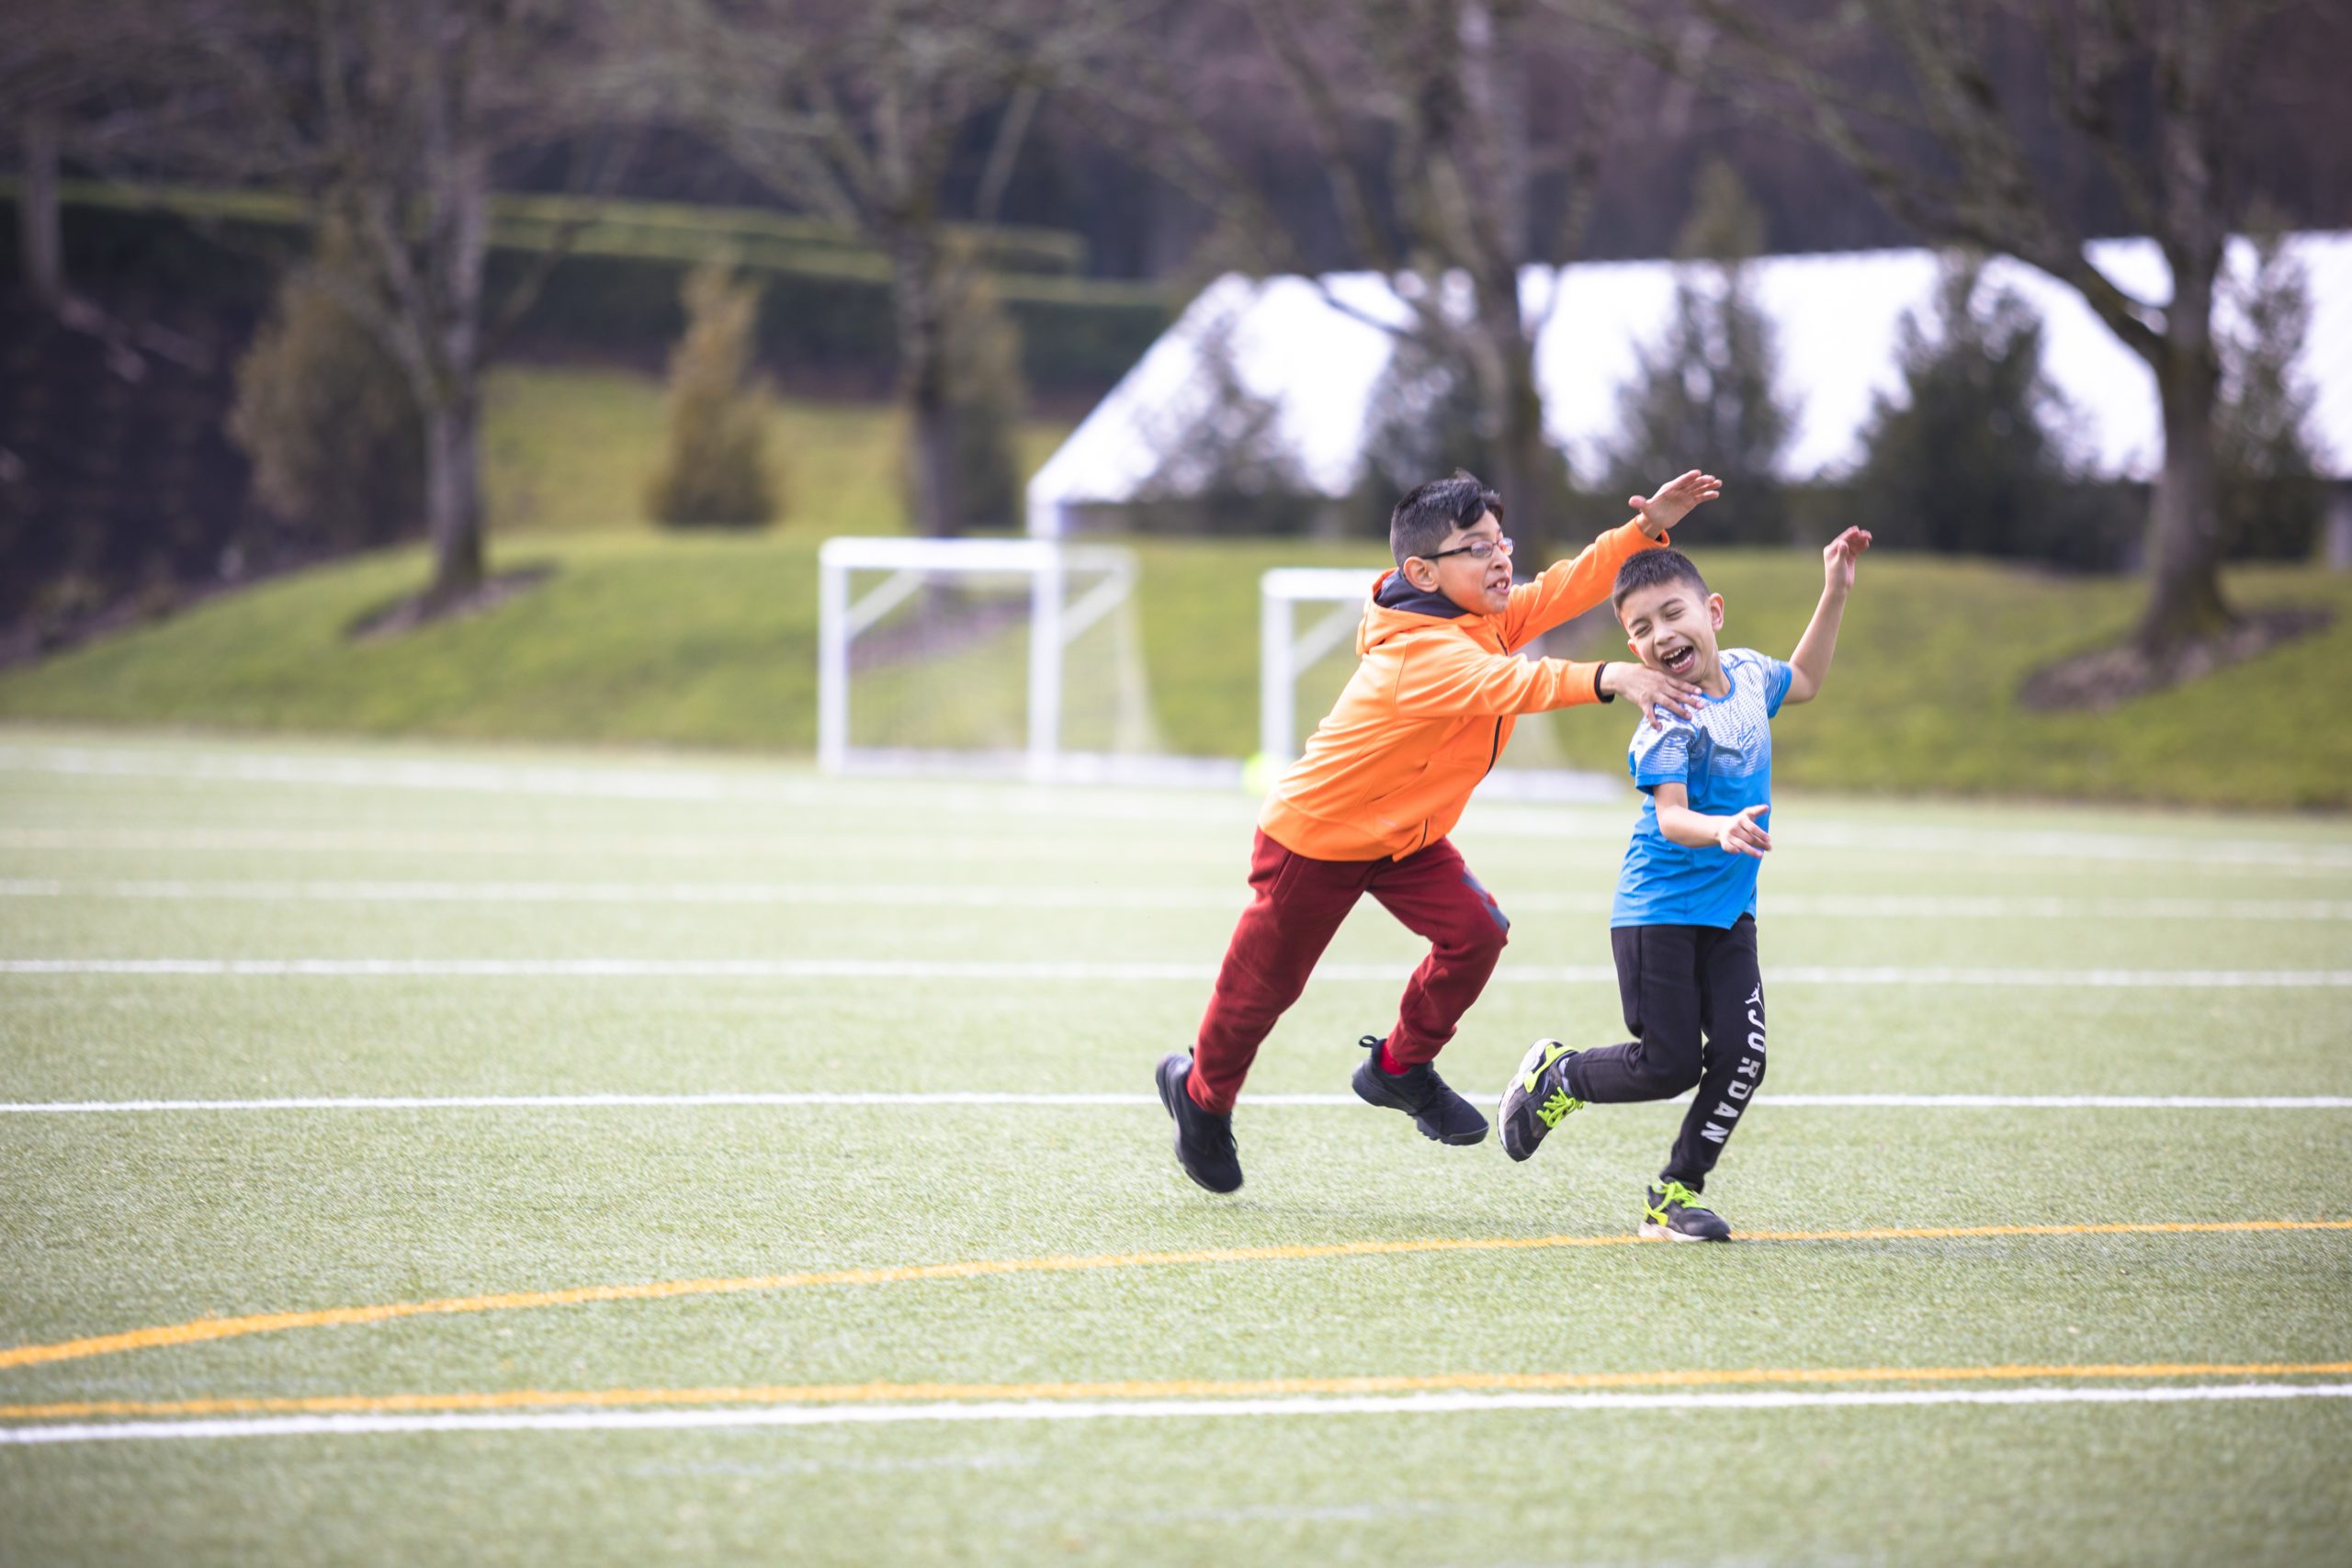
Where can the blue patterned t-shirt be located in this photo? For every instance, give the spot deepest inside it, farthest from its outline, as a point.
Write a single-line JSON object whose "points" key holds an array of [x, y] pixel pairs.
{"points": [[1723, 756]]}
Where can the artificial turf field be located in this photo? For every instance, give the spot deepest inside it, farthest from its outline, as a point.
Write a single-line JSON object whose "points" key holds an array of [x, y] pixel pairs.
{"points": [[943, 1319]]}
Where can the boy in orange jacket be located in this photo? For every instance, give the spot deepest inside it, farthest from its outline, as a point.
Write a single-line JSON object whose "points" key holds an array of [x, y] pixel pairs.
{"points": [[1366, 807]]}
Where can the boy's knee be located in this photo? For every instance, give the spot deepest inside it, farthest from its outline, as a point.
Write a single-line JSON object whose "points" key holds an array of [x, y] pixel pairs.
{"points": [[1667, 1072], [1481, 926], [1682, 1077]]}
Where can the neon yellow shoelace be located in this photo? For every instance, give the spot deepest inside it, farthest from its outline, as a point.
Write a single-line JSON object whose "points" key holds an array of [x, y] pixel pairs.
{"points": [[1673, 1192]]}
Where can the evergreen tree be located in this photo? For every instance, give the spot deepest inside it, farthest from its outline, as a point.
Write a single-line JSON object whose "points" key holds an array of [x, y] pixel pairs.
{"points": [[1424, 420], [1226, 466], [1703, 396], [1970, 458], [717, 470], [336, 442], [2271, 498]]}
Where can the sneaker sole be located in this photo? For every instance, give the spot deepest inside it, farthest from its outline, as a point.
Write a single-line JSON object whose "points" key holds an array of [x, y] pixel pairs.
{"points": [[1168, 1104], [1370, 1094], [1652, 1230]]}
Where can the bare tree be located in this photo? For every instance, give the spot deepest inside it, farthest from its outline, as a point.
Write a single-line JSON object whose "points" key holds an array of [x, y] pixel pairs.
{"points": [[1920, 97], [37, 67], [1434, 122], [391, 117], [859, 111], [82, 79]]}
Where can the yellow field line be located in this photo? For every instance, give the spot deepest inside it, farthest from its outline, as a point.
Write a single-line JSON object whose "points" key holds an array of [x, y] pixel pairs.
{"points": [[1173, 1388], [206, 1328]]}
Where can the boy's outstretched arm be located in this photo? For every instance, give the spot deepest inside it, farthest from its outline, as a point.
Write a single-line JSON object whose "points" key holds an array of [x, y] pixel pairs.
{"points": [[1809, 665], [1567, 589], [1673, 500]]}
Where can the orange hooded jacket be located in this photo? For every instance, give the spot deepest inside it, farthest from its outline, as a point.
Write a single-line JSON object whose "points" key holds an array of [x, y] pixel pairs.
{"points": [[1430, 708]]}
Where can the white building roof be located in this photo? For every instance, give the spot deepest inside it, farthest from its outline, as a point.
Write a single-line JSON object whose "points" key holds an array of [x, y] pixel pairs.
{"points": [[1835, 317]]}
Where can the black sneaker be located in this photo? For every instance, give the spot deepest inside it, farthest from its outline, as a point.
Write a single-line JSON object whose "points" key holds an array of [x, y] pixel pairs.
{"points": [[1418, 1091], [1537, 1098], [1673, 1214], [1203, 1138]]}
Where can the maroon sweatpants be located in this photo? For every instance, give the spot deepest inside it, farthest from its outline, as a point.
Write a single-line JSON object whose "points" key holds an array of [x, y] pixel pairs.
{"points": [[1299, 905]]}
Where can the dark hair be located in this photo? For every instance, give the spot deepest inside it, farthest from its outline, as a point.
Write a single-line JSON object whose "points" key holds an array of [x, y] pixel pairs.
{"points": [[1650, 569], [1422, 520]]}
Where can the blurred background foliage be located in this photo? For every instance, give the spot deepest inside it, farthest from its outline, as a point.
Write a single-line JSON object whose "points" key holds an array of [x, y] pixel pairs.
{"points": [[220, 361]]}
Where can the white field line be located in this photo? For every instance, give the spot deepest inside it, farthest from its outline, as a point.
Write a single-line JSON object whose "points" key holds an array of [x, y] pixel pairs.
{"points": [[597, 847], [978, 845], [805, 1100], [2294, 856], [1141, 1410], [1058, 806], [833, 895], [810, 895], [595, 782], [1104, 973]]}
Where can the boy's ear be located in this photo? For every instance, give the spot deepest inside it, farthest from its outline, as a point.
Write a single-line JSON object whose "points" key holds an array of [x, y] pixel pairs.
{"points": [[1425, 577], [1715, 610]]}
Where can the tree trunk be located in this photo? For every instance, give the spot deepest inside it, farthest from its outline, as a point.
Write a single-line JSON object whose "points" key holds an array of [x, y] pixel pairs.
{"points": [[1529, 476], [1527, 470], [920, 309], [1486, 142], [2185, 600], [39, 235], [457, 250], [2185, 520], [453, 498]]}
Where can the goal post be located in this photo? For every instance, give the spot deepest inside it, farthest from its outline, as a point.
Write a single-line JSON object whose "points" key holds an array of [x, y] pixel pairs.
{"points": [[955, 614]]}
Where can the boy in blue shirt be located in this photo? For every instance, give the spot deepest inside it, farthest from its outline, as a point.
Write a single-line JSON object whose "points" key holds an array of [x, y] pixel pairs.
{"points": [[1683, 924]]}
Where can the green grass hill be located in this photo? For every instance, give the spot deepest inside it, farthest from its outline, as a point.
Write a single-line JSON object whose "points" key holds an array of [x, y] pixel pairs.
{"points": [[708, 640]]}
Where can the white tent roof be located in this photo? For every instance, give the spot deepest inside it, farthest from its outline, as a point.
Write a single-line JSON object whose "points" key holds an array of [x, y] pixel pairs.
{"points": [[1835, 318]]}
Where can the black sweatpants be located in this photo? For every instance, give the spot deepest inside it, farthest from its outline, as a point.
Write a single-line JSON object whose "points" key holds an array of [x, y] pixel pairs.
{"points": [[1694, 999]]}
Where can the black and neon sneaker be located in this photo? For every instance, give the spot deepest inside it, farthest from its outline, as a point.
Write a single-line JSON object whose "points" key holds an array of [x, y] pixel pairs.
{"points": [[1537, 1098], [1418, 1092], [1673, 1214], [1203, 1138]]}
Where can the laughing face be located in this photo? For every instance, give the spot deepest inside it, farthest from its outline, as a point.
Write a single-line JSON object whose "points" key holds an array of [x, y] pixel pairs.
{"points": [[1671, 626]]}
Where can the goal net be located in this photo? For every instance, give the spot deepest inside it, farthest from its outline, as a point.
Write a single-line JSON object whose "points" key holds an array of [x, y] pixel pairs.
{"points": [[1018, 658]]}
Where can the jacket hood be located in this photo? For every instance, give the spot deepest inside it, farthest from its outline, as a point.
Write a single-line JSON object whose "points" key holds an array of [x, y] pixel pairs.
{"points": [[1399, 607]]}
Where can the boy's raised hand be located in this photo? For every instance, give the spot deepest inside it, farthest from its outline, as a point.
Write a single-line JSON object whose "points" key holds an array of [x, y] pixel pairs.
{"points": [[1839, 559], [1673, 500], [1743, 834]]}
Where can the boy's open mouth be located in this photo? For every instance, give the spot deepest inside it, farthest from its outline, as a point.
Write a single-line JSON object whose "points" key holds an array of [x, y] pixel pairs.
{"points": [[1679, 660]]}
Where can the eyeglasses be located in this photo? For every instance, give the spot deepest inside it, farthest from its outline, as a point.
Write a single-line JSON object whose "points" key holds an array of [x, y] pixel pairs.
{"points": [[1477, 550]]}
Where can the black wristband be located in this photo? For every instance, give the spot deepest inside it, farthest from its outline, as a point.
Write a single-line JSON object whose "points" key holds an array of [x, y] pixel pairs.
{"points": [[1598, 672]]}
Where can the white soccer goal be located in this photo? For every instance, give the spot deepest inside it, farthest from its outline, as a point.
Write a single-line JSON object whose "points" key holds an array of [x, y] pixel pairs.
{"points": [[1015, 658]]}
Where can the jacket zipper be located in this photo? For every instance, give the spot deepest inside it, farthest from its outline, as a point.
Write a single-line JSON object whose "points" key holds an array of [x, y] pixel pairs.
{"points": [[1494, 755]]}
